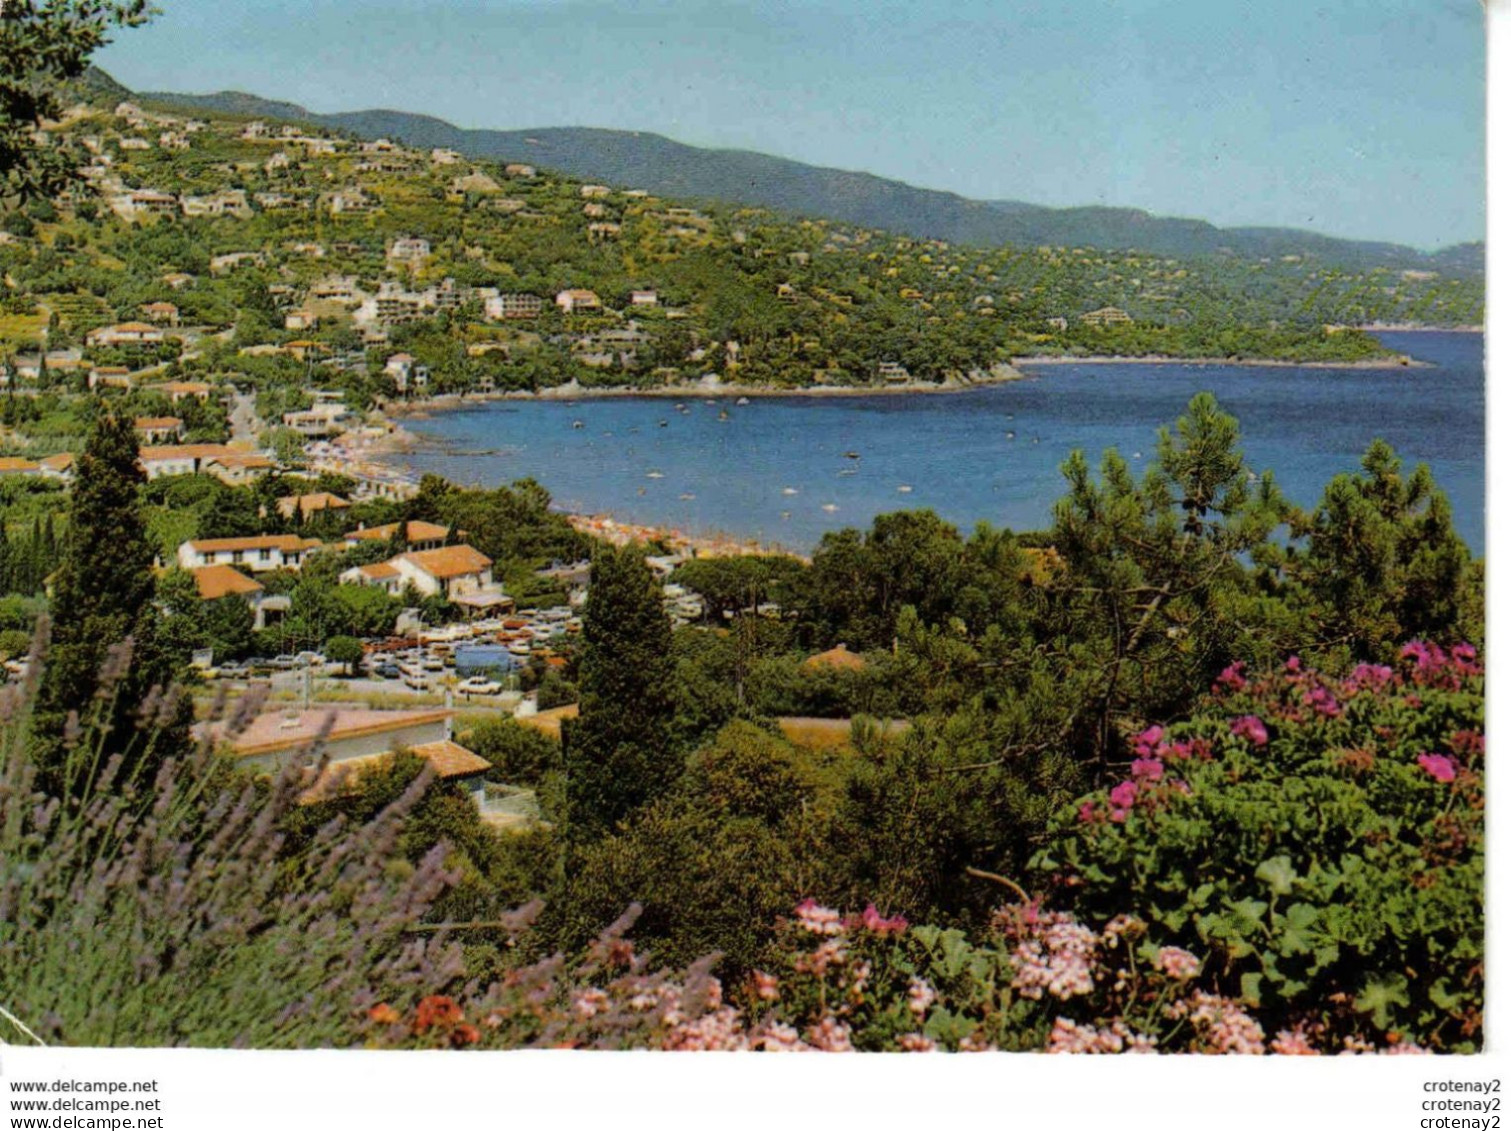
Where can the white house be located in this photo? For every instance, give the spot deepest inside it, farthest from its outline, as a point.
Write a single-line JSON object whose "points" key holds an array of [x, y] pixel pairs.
{"points": [[124, 334], [578, 301], [259, 553], [356, 741]]}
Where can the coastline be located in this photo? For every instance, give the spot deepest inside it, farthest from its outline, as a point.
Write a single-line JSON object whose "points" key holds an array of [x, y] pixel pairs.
{"points": [[1013, 370], [1401, 361], [572, 391]]}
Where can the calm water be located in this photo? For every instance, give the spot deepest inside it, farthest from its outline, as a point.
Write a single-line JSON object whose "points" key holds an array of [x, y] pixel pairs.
{"points": [[777, 469]]}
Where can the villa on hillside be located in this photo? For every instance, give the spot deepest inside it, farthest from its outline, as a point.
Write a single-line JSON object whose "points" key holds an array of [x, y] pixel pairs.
{"points": [[578, 302], [124, 334], [308, 505], [458, 573], [216, 581], [418, 534], [258, 553], [159, 429], [1106, 316], [356, 741]]}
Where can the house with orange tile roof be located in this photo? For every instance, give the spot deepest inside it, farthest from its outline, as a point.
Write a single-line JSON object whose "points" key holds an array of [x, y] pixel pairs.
{"points": [[258, 553], [237, 469], [418, 535], [838, 658], [160, 313], [578, 302], [355, 741], [15, 465], [451, 571], [159, 429], [59, 466], [380, 575], [217, 581], [178, 390], [459, 573], [124, 334], [110, 377], [185, 459], [311, 504]]}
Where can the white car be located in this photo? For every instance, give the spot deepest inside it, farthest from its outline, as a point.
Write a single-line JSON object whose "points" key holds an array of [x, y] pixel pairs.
{"points": [[477, 685]]}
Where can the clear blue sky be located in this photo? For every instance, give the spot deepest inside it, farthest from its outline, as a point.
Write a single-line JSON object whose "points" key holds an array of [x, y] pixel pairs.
{"points": [[1359, 118]]}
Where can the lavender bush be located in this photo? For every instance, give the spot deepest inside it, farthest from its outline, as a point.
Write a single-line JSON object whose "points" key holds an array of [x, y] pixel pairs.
{"points": [[160, 913]]}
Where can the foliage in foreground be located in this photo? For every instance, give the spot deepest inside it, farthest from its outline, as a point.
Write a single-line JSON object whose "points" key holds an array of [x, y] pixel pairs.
{"points": [[170, 915]]}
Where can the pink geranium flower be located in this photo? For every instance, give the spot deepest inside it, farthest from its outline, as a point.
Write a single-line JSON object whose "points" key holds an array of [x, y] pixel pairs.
{"points": [[1438, 767], [1251, 728]]}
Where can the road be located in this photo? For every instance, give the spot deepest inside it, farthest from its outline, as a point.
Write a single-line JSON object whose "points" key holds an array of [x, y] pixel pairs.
{"points": [[244, 422]]}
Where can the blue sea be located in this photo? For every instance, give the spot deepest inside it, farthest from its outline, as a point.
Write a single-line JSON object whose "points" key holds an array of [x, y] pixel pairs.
{"points": [[786, 469]]}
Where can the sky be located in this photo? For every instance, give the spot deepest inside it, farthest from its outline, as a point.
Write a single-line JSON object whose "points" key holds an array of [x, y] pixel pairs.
{"points": [[1355, 118]]}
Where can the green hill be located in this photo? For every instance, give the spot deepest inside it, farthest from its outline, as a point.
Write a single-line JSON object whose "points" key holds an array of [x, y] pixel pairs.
{"points": [[670, 168]]}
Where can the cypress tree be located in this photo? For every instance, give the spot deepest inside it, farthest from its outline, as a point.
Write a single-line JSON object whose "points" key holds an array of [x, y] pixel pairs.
{"points": [[619, 751], [102, 595]]}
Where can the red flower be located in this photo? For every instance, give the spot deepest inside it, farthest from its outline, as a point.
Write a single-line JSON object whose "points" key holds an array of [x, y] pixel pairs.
{"points": [[436, 1010]]}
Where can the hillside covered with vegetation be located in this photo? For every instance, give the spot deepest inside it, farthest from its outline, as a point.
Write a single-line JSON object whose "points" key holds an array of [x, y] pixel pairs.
{"points": [[261, 236]]}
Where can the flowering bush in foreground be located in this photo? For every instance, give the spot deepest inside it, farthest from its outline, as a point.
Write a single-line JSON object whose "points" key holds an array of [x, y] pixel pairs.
{"points": [[1297, 872], [1320, 839], [1038, 980]]}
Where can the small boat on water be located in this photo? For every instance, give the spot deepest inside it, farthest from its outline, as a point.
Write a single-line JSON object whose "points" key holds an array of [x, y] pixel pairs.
{"points": [[577, 424], [852, 455], [1012, 435], [849, 471], [743, 400], [723, 414], [660, 424], [829, 507], [686, 495], [655, 475], [789, 490], [905, 489], [680, 407]]}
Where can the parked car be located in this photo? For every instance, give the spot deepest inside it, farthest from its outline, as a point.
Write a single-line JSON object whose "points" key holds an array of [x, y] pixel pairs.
{"points": [[285, 663], [387, 671], [478, 685]]}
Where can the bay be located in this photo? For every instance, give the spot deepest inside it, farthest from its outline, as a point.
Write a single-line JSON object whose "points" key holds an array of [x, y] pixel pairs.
{"points": [[784, 470]]}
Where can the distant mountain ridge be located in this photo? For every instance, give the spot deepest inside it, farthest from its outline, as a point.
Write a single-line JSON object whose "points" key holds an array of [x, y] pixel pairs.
{"points": [[666, 167]]}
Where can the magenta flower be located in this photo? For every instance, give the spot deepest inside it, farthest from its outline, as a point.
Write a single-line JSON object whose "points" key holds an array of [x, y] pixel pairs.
{"points": [[1438, 767], [1147, 742], [1371, 677], [1231, 678], [1427, 656], [1087, 812], [871, 919], [1151, 768], [1251, 728], [1123, 795], [1321, 700], [1293, 665], [1465, 659]]}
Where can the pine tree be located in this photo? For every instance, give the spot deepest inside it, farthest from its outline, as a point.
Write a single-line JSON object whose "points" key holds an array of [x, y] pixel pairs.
{"points": [[102, 596], [619, 752]]}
